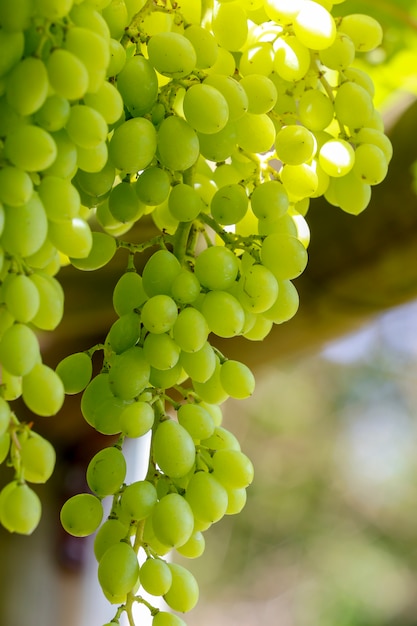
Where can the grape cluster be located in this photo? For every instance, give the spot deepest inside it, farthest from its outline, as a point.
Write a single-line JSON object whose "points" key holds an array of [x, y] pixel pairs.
{"points": [[220, 121]]}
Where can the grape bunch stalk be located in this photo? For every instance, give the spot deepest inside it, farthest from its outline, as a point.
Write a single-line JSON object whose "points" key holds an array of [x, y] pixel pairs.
{"points": [[219, 121]]}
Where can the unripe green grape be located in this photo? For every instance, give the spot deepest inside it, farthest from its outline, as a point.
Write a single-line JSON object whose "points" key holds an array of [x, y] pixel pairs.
{"points": [[21, 297], [184, 203], [196, 420], [286, 304], [229, 204], [205, 108], [269, 200], [72, 237], [92, 50], [138, 85], [364, 30], [103, 249], [218, 146], [172, 54], [159, 314], [138, 500], [81, 515], [229, 26], [128, 293], [172, 520], [353, 105], [51, 307], [224, 313], [221, 439], [4, 416], [37, 457], [129, 373], [255, 133], [118, 572], [291, 58], [314, 26], [207, 497], [60, 198], [42, 390], [183, 593], [173, 449], [159, 272], [30, 148], [236, 500], [20, 508], [232, 468], [136, 419], [5, 441], [161, 351], [199, 365], [178, 146], [155, 577], [300, 181], [106, 471], [162, 618], [315, 110], [336, 157], [124, 204], [19, 350], [16, 186], [153, 186], [211, 390], [86, 127], [371, 165], [194, 547], [295, 145], [190, 330], [261, 92], [237, 379], [27, 86], [133, 145], [75, 371], [67, 74], [107, 101], [100, 408], [110, 532], [165, 379], [340, 54], [185, 287]]}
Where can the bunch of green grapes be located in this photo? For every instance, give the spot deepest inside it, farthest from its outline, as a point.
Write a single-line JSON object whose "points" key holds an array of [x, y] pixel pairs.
{"points": [[220, 121]]}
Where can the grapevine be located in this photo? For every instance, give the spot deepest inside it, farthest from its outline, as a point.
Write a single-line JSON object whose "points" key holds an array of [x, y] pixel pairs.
{"points": [[220, 121]]}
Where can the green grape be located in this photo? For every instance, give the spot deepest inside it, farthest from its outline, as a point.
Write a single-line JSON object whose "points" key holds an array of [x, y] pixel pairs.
{"points": [[155, 577], [106, 472], [136, 419], [232, 468], [364, 30], [300, 181], [5, 441], [100, 408], [138, 500], [173, 449], [118, 571], [96, 184], [110, 532], [138, 85], [25, 227], [86, 127], [204, 44], [172, 54], [371, 164], [295, 145], [21, 297], [236, 501], [67, 74], [117, 18], [205, 108], [184, 202], [133, 145], [53, 114], [12, 385], [194, 547], [92, 160], [229, 26], [162, 618], [42, 390], [207, 497], [353, 105], [224, 313], [159, 314], [336, 157], [37, 457], [261, 92], [124, 333], [107, 101], [359, 77], [375, 137], [30, 148], [27, 86], [196, 420], [124, 204], [314, 26], [199, 365], [75, 371], [221, 439], [190, 330], [64, 164], [185, 287], [20, 508], [178, 146], [16, 186], [255, 133], [19, 350], [217, 267], [269, 200], [218, 146], [117, 58], [285, 256], [53, 10], [229, 204], [85, 15], [282, 11], [257, 59], [51, 306], [172, 520], [352, 194], [153, 186], [12, 45], [291, 58], [72, 237], [92, 50], [60, 198], [211, 390], [103, 249], [161, 351], [183, 593], [236, 378], [286, 304], [165, 379], [340, 55], [129, 373], [258, 289], [315, 110], [4, 416], [81, 515], [159, 272], [128, 293]]}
